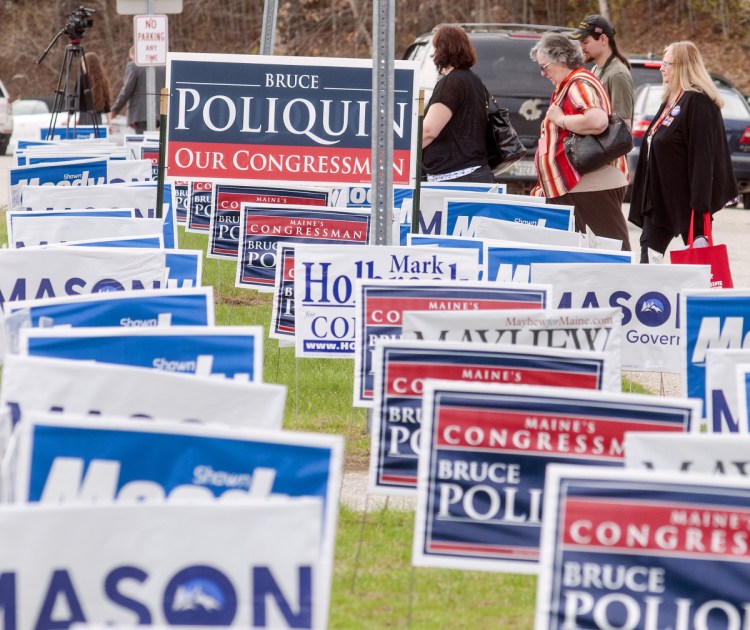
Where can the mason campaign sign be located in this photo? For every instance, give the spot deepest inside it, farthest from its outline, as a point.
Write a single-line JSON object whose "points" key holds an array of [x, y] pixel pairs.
{"points": [[268, 119], [485, 450], [251, 564], [648, 296], [635, 549]]}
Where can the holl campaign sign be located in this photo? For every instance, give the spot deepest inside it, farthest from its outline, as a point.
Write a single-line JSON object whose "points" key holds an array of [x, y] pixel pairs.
{"points": [[267, 119]]}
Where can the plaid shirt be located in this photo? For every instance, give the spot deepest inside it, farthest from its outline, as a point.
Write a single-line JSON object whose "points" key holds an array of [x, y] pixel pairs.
{"points": [[579, 91]]}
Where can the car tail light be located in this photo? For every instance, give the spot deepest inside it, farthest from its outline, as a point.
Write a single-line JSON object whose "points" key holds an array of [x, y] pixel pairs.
{"points": [[640, 127], [745, 140]]}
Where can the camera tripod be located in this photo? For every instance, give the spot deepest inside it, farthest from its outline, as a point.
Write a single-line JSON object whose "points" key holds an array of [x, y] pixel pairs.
{"points": [[73, 93]]}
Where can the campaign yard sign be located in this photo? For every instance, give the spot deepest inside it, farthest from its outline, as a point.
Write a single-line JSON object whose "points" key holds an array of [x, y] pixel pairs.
{"points": [[76, 173], [264, 119], [250, 564], [140, 197], [401, 368], [648, 296], [708, 453], [180, 196], [459, 214], [597, 329], [511, 262], [324, 277], [263, 227], [227, 200], [34, 273], [199, 207], [380, 306], [103, 389], [483, 456], [14, 217], [723, 391], [431, 217], [712, 320], [282, 313], [627, 548], [49, 228], [742, 376], [63, 460], [229, 351], [138, 309]]}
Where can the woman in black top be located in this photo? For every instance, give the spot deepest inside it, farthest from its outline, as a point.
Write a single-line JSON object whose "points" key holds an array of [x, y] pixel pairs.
{"points": [[684, 163], [455, 122]]}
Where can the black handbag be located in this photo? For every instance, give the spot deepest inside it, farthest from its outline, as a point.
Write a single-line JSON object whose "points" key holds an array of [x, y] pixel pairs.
{"points": [[588, 153], [504, 147]]}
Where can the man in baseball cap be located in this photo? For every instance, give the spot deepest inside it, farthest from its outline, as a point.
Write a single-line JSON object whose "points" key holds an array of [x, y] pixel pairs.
{"points": [[594, 25], [597, 37]]}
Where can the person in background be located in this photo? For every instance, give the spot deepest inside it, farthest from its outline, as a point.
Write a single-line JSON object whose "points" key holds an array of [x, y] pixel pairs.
{"points": [[580, 105], [101, 92], [455, 122], [134, 94], [597, 38], [684, 163]]}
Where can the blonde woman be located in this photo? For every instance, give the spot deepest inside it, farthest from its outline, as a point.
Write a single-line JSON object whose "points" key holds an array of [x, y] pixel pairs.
{"points": [[684, 162]]}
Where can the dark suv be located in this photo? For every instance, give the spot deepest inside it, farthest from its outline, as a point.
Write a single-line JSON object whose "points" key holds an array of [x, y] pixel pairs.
{"points": [[510, 75]]}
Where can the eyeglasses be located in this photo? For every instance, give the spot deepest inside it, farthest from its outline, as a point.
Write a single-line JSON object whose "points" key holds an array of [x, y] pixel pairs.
{"points": [[666, 64], [543, 68]]}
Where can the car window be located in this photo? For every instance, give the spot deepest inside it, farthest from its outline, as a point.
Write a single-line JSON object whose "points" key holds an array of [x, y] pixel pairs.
{"points": [[507, 69], [735, 106]]}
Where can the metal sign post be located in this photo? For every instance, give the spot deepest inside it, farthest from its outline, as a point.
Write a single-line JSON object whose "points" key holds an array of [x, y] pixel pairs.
{"points": [[383, 37], [268, 36]]}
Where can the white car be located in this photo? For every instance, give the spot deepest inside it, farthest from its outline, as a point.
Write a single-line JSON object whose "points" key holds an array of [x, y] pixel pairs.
{"points": [[32, 116], [6, 119]]}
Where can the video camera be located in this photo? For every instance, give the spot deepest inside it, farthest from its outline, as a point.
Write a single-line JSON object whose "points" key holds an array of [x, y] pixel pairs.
{"points": [[77, 22]]}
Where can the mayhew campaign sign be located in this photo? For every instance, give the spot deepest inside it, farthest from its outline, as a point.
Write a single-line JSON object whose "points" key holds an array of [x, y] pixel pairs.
{"points": [[694, 453], [264, 119], [402, 367], [724, 391], [712, 319], [511, 262], [262, 228], [484, 453], [229, 351], [62, 460], [227, 200], [76, 173], [648, 296], [33, 273], [250, 564], [324, 277], [628, 548], [102, 389], [138, 309], [380, 305], [595, 329]]}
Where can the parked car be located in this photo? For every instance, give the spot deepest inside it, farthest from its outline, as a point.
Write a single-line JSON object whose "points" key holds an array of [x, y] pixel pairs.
{"points": [[6, 119], [33, 115], [647, 69], [736, 115], [511, 77]]}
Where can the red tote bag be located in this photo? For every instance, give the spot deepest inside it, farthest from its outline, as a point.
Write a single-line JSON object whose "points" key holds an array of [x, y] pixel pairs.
{"points": [[714, 255]]}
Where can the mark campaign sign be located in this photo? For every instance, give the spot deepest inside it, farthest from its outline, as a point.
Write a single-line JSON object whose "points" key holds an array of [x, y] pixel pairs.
{"points": [[282, 119]]}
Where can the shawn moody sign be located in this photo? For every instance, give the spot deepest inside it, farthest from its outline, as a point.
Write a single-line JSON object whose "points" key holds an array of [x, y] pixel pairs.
{"points": [[282, 118]]}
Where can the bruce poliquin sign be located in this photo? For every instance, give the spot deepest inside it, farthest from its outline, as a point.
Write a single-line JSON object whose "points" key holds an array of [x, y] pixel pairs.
{"points": [[263, 118]]}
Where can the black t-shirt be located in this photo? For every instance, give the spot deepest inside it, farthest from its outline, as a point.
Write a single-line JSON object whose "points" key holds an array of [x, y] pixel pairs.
{"points": [[461, 142]]}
